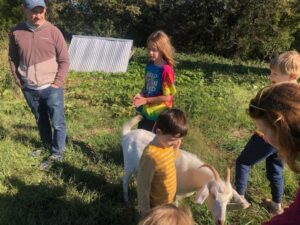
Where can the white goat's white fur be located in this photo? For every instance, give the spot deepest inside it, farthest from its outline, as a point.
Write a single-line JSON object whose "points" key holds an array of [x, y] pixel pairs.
{"points": [[191, 177]]}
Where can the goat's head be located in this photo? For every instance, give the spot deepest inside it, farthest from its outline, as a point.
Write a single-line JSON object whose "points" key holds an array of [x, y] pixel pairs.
{"points": [[217, 194]]}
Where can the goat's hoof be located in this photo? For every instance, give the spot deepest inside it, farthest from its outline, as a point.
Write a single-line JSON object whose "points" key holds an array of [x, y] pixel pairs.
{"points": [[238, 206]]}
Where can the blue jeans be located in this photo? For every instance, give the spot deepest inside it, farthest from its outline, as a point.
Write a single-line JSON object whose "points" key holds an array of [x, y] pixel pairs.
{"points": [[47, 105], [255, 151], [146, 124]]}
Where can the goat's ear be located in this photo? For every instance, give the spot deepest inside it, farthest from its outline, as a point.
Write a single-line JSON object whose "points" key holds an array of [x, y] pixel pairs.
{"points": [[202, 194], [237, 202], [228, 175]]}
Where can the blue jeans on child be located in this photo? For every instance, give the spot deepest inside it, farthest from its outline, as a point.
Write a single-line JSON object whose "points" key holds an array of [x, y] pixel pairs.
{"points": [[48, 105], [146, 124], [255, 151]]}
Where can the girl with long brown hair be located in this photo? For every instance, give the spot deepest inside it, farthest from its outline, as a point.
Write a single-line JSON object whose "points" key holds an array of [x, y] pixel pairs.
{"points": [[276, 111], [159, 89]]}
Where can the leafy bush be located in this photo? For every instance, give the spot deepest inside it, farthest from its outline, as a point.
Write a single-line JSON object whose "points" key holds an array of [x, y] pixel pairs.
{"points": [[239, 28]]}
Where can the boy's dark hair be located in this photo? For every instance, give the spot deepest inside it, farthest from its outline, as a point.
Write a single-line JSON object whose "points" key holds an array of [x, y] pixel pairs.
{"points": [[173, 122]]}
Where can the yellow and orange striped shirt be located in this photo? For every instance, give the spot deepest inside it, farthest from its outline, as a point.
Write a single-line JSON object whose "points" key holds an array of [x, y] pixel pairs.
{"points": [[161, 162]]}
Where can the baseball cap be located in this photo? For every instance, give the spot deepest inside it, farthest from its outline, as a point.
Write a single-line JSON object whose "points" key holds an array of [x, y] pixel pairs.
{"points": [[30, 4]]}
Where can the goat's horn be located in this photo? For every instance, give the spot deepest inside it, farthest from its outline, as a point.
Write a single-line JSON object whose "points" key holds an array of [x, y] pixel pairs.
{"points": [[214, 171], [228, 175]]}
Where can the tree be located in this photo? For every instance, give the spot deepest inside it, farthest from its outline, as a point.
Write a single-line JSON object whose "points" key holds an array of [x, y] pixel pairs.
{"points": [[10, 14], [243, 28], [232, 28]]}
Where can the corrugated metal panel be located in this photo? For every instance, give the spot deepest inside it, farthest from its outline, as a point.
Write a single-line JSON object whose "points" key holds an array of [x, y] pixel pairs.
{"points": [[89, 53]]}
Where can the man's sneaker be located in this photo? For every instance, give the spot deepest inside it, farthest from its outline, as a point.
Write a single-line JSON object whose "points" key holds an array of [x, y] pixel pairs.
{"points": [[243, 204], [272, 207], [55, 157], [45, 165], [52, 158]]}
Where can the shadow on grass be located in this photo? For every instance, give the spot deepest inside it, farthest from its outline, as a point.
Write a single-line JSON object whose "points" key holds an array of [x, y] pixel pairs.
{"points": [[21, 135], [43, 204], [84, 179], [26, 140], [3, 132], [85, 149], [210, 68], [221, 68], [109, 151], [114, 154], [24, 127]]}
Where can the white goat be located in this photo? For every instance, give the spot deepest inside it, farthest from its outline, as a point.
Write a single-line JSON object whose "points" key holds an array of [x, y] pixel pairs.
{"points": [[192, 174]]}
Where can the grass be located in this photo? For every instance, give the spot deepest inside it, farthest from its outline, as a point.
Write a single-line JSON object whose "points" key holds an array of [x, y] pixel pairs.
{"points": [[86, 187]]}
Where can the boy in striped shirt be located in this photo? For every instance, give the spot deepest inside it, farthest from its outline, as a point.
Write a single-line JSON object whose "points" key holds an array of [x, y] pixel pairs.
{"points": [[156, 182]]}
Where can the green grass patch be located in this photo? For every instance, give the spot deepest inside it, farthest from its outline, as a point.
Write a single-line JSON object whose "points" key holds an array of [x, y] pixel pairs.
{"points": [[86, 187]]}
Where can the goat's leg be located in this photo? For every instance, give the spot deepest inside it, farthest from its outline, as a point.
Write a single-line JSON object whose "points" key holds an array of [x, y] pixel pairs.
{"points": [[176, 203], [126, 178]]}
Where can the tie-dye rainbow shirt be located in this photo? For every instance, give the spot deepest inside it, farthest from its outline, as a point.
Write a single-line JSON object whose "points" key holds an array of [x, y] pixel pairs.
{"points": [[160, 80]]}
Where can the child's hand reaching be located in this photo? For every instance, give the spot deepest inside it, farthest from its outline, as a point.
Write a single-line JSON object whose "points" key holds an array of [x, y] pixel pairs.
{"points": [[138, 95], [139, 100]]}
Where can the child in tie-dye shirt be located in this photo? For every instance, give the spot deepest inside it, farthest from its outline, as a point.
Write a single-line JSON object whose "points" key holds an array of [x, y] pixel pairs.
{"points": [[159, 87]]}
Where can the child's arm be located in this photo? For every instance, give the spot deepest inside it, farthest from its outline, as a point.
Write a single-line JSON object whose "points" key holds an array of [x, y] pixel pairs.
{"points": [[144, 180], [261, 135], [168, 89], [140, 94], [140, 100]]}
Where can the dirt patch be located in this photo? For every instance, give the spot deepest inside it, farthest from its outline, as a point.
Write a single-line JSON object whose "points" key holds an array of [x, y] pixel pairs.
{"points": [[240, 133]]}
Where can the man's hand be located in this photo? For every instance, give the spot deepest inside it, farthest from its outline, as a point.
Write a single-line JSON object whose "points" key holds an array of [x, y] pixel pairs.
{"points": [[19, 85], [54, 86]]}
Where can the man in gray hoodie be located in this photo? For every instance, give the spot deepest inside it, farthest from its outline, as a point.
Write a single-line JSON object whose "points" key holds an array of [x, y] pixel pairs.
{"points": [[39, 61]]}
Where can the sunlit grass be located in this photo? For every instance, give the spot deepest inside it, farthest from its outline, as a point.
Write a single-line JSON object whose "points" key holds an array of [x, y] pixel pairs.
{"points": [[86, 187]]}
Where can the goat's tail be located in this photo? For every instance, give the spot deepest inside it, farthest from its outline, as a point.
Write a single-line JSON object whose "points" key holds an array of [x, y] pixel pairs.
{"points": [[128, 125]]}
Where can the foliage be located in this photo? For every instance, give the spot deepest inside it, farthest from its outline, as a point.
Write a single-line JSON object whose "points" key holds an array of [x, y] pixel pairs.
{"points": [[239, 28], [6, 81], [101, 18], [10, 14]]}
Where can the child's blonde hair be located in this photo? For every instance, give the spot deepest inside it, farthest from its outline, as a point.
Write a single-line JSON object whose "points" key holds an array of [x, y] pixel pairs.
{"points": [[163, 43], [279, 107], [288, 63], [168, 214]]}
